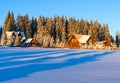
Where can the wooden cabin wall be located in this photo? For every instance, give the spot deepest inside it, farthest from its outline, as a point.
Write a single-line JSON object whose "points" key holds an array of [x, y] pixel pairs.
{"points": [[73, 43]]}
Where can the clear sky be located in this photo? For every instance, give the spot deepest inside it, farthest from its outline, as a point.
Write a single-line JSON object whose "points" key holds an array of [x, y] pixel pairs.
{"points": [[105, 11]]}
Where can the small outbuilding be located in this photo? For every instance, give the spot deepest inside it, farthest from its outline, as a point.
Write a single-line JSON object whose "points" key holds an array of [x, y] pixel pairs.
{"points": [[78, 41], [31, 42]]}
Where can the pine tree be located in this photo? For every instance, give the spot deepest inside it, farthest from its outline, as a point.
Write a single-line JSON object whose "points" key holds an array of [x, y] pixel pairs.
{"points": [[12, 24], [20, 23], [40, 30], [8, 26], [106, 32], [52, 44], [117, 39], [0, 32], [112, 39], [100, 33], [86, 27], [27, 26], [53, 32], [95, 31], [58, 30], [48, 33], [63, 34], [34, 26], [17, 42], [81, 28]]}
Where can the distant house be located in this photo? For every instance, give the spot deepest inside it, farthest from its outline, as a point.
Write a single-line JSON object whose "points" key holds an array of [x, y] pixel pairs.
{"points": [[107, 43], [31, 42], [77, 41], [12, 35]]}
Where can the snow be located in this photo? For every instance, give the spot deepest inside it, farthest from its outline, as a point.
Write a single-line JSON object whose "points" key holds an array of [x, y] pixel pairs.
{"points": [[84, 38], [9, 34], [28, 40], [57, 65]]}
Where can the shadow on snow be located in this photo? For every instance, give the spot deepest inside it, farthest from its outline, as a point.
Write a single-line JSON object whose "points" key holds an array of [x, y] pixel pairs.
{"points": [[25, 70]]}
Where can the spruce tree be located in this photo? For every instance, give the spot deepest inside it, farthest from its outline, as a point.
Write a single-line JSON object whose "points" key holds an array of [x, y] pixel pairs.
{"points": [[117, 39], [40, 30], [6, 27], [81, 28], [34, 26], [20, 23], [64, 36], [17, 42], [27, 26], [0, 32], [106, 32]]}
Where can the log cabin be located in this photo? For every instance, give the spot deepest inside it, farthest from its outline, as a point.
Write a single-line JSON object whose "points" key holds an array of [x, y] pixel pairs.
{"points": [[78, 41]]}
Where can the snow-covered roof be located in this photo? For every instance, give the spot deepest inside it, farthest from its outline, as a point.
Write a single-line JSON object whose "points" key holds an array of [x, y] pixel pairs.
{"points": [[22, 33], [16, 33], [9, 33], [82, 38], [28, 40]]}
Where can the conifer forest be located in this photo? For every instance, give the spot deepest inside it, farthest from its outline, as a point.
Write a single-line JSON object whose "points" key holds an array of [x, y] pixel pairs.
{"points": [[54, 31]]}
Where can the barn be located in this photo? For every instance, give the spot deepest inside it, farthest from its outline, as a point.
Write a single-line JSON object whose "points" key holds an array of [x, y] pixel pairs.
{"points": [[31, 42], [78, 41]]}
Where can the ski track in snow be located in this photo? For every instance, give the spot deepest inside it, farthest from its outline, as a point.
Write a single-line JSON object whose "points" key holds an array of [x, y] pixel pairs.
{"points": [[31, 60]]}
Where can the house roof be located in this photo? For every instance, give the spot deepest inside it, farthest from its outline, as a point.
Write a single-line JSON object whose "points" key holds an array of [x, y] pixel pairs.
{"points": [[82, 38], [28, 40], [22, 33], [9, 33]]}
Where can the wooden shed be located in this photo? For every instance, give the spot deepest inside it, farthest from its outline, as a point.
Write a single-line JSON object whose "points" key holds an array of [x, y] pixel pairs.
{"points": [[32, 42], [77, 40]]}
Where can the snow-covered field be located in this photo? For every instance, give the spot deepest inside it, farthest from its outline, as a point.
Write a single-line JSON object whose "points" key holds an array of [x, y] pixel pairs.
{"points": [[48, 65]]}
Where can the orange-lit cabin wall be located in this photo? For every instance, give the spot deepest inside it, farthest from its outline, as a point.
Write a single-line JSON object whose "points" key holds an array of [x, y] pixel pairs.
{"points": [[73, 43]]}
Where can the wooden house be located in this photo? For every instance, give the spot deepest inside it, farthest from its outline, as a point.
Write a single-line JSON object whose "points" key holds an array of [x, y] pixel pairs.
{"points": [[12, 35], [78, 41], [31, 42]]}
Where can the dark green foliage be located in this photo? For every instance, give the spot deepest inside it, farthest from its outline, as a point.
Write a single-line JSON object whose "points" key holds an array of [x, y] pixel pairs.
{"points": [[34, 26], [117, 39], [0, 32], [112, 39]]}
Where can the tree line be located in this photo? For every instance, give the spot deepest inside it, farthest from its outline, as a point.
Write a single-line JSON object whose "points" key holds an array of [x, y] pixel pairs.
{"points": [[117, 38], [54, 32]]}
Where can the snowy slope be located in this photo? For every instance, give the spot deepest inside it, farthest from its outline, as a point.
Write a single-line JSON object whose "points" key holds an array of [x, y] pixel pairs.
{"points": [[47, 65]]}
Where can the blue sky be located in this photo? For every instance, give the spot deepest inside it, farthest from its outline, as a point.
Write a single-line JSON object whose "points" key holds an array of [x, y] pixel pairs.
{"points": [[105, 11]]}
